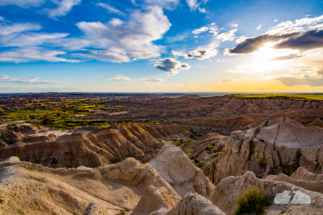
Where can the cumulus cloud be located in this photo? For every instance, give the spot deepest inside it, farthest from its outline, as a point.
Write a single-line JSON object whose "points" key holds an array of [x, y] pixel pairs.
{"points": [[171, 66], [121, 77], [22, 3], [129, 39], [305, 41], [31, 80], [200, 53], [241, 39], [111, 9], [63, 7], [234, 25], [250, 45], [33, 54], [303, 34], [200, 30]]}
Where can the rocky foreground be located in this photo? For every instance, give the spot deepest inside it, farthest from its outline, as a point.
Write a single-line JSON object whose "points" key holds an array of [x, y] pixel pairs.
{"points": [[162, 169], [168, 184]]}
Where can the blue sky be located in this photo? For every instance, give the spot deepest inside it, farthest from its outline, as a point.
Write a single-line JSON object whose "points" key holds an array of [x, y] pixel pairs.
{"points": [[161, 46]]}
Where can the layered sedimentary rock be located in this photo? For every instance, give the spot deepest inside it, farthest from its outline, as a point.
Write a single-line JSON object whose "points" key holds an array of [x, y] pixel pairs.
{"points": [[191, 203], [229, 189], [205, 148], [276, 146], [28, 188], [304, 175], [176, 168], [94, 149], [222, 126]]}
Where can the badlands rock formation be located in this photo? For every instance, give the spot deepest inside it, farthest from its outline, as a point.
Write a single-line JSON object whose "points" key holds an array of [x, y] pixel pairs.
{"points": [[129, 186], [92, 149], [177, 169], [276, 146], [221, 114], [301, 178], [226, 192]]}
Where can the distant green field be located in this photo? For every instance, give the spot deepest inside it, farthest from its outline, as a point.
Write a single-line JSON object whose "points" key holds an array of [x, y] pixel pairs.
{"points": [[287, 96]]}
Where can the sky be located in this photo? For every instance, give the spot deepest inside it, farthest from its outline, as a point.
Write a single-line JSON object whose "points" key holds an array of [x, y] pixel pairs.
{"points": [[161, 46]]}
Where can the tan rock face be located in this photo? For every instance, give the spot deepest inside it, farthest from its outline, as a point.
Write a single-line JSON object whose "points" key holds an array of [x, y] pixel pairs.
{"points": [[154, 200], [176, 168], [95, 149], [317, 122], [303, 174], [194, 204], [34, 189], [316, 186], [276, 146], [229, 189]]}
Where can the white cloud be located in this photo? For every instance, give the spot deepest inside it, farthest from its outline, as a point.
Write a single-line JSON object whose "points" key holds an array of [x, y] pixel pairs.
{"points": [[115, 22], [63, 7], [202, 10], [234, 25], [194, 5], [168, 4], [200, 30], [31, 80], [209, 50], [22, 3], [154, 80], [121, 77], [296, 26], [275, 20], [111, 9], [171, 66], [259, 27], [1, 18], [241, 39], [17, 28], [213, 30], [33, 54], [31, 39], [227, 35], [132, 39]]}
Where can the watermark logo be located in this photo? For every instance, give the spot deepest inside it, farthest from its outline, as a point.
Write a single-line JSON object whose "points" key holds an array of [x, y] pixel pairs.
{"points": [[298, 197]]}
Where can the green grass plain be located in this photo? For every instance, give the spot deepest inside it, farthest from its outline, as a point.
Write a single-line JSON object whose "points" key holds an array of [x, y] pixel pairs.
{"points": [[305, 97]]}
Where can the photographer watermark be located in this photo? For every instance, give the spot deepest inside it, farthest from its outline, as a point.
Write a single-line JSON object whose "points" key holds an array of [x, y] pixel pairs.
{"points": [[292, 197]]}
